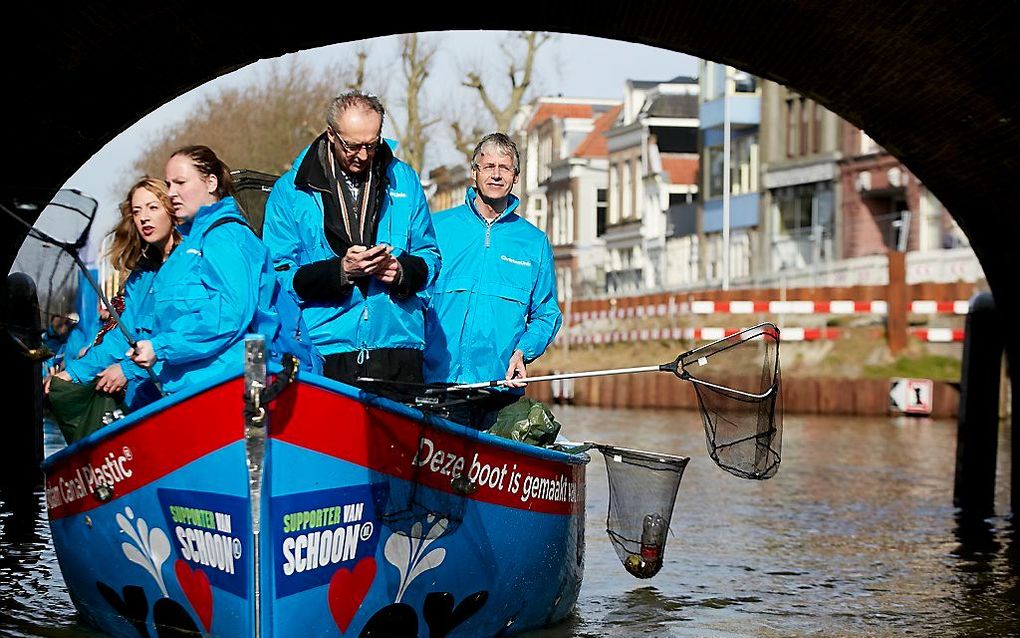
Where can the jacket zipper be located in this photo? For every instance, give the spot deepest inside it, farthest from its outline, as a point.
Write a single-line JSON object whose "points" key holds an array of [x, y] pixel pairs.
{"points": [[363, 354]]}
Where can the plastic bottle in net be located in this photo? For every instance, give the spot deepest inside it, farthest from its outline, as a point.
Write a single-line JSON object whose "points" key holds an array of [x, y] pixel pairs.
{"points": [[642, 492]]}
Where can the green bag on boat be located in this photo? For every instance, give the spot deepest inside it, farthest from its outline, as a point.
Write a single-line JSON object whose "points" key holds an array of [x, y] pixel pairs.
{"points": [[527, 421], [79, 409]]}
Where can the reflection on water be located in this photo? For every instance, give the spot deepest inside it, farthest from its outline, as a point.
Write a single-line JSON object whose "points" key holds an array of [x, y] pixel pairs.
{"points": [[33, 600], [856, 535]]}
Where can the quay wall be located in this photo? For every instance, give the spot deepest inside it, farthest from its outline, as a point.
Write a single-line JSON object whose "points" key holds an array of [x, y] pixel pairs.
{"points": [[852, 397]]}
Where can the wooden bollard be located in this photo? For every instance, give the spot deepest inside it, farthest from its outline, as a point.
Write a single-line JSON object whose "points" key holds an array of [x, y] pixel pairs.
{"points": [[978, 423]]}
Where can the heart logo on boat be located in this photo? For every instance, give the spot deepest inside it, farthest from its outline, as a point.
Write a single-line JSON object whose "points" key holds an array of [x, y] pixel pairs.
{"points": [[196, 588], [347, 590]]}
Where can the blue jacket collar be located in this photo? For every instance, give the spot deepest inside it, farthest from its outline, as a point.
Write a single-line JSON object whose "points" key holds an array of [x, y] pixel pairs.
{"points": [[208, 214], [511, 205]]}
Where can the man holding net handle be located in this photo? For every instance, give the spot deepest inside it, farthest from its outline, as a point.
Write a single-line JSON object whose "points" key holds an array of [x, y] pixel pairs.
{"points": [[493, 309]]}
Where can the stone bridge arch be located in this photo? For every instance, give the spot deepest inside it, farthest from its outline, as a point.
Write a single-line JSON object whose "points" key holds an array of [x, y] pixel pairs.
{"points": [[931, 82]]}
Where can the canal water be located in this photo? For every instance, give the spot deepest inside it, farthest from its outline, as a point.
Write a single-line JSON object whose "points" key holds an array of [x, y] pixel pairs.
{"points": [[855, 536]]}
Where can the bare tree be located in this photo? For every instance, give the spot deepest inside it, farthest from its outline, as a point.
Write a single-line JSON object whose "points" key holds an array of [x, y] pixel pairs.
{"points": [[466, 135], [416, 57], [262, 125], [520, 75], [358, 80]]}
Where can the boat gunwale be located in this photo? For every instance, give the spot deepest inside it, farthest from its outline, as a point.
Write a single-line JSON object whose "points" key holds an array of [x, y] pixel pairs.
{"points": [[323, 383]]}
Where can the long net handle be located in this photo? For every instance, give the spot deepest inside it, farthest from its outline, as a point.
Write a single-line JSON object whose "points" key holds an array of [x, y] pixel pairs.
{"points": [[556, 377]]}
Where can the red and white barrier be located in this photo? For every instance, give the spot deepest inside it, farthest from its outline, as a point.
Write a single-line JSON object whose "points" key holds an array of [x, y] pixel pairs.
{"points": [[938, 335], [744, 307], [689, 334], [790, 334]]}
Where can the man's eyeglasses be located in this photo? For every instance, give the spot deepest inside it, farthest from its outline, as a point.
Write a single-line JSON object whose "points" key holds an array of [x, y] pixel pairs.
{"points": [[489, 169], [354, 149]]}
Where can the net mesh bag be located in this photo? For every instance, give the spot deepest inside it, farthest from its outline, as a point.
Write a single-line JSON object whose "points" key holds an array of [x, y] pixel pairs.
{"points": [[410, 505], [642, 492], [737, 380]]}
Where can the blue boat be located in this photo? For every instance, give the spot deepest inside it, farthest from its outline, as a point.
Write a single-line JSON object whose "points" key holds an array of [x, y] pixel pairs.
{"points": [[371, 518]]}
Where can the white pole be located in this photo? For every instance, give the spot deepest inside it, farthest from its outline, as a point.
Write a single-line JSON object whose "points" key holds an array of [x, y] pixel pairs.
{"points": [[726, 182], [255, 455]]}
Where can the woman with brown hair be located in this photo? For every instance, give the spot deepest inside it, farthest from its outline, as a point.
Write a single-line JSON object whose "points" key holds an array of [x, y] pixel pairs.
{"points": [[206, 295]]}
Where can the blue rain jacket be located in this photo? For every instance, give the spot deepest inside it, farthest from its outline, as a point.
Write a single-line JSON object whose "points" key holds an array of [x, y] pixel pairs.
{"points": [[137, 315], [495, 294], [204, 298], [295, 235]]}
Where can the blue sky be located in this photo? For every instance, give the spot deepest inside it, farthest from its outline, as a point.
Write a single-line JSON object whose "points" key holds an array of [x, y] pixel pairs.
{"points": [[571, 65]]}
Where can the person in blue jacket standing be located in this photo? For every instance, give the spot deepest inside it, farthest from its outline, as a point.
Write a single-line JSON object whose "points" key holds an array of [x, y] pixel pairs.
{"points": [[351, 237], [206, 293], [493, 309]]}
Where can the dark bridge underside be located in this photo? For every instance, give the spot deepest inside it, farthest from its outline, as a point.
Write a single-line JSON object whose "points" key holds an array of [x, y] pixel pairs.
{"points": [[933, 82]]}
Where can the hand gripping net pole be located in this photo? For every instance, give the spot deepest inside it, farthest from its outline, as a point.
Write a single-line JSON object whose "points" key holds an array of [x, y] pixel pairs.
{"points": [[737, 381], [642, 492]]}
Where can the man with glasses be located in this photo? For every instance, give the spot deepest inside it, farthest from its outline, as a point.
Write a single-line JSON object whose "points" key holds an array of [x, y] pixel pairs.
{"points": [[493, 309], [351, 236]]}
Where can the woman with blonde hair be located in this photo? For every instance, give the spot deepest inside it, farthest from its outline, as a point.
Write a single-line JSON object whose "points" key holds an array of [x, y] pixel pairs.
{"points": [[143, 239]]}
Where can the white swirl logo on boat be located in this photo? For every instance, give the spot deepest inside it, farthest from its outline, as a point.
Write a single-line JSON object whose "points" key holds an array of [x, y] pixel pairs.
{"points": [[83, 480]]}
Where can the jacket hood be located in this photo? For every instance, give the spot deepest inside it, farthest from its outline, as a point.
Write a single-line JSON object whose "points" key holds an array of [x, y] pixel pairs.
{"points": [[226, 207]]}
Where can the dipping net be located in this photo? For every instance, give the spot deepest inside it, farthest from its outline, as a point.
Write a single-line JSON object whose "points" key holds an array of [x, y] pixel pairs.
{"points": [[63, 222], [642, 491], [737, 381]]}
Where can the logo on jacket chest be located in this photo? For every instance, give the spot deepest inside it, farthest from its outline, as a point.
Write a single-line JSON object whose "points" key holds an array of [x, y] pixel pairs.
{"points": [[517, 262]]}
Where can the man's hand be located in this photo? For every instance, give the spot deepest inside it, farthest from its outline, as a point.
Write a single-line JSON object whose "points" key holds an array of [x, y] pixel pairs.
{"points": [[112, 379], [390, 271], [516, 371], [60, 374], [360, 261], [143, 354]]}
